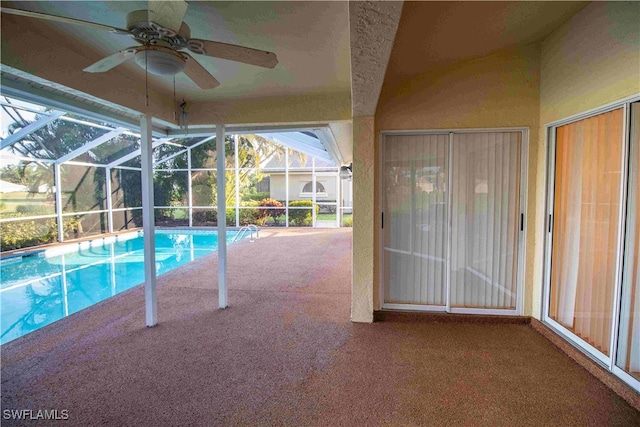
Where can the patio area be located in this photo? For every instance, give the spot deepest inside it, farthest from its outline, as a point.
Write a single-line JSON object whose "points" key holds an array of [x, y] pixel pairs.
{"points": [[285, 353]]}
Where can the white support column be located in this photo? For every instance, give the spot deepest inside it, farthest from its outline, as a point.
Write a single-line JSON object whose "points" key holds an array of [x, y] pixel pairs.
{"points": [[112, 254], [237, 175], [313, 191], [65, 286], [58, 184], [222, 218], [189, 188], [286, 184], [107, 172], [339, 196], [148, 222]]}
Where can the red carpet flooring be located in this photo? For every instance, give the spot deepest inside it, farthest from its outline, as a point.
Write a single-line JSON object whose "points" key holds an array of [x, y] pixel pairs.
{"points": [[285, 353]]}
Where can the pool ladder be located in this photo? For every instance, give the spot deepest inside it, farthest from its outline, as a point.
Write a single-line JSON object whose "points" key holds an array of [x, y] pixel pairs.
{"points": [[251, 228]]}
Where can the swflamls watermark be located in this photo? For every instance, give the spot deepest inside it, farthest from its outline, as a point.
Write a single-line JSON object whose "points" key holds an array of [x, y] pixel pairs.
{"points": [[35, 414]]}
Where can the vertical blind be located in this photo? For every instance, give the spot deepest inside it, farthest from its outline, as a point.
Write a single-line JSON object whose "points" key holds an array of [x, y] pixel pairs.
{"points": [[415, 229], [485, 218], [586, 226], [485, 215]]}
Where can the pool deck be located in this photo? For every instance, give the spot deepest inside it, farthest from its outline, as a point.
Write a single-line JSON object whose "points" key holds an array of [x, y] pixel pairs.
{"points": [[285, 353]]}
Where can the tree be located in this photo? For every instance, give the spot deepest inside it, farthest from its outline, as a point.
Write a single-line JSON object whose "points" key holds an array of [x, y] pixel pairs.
{"points": [[84, 187], [13, 174], [254, 151]]}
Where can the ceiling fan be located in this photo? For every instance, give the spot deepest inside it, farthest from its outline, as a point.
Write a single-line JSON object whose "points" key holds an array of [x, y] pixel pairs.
{"points": [[164, 41]]}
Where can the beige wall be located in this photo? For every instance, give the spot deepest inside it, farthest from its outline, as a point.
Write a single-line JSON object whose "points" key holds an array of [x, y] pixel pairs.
{"points": [[590, 61], [500, 90], [320, 108]]}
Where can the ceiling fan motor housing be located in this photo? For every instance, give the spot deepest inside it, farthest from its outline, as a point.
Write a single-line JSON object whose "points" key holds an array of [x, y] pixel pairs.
{"points": [[148, 32]]}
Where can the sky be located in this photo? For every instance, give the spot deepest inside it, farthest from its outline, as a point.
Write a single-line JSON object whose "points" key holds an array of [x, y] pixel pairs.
{"points": [[6, 121]]}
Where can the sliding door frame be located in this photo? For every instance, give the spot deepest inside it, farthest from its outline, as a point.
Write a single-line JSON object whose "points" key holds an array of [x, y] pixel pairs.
{"points": [[522, 229], [608, 362], [381, 203]]}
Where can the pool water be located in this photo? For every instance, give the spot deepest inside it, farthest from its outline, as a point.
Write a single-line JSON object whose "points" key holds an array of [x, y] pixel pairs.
{"points": [[39, 289]]}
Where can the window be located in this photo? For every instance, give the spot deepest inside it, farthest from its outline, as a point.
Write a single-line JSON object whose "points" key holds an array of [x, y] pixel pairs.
{"points": [[308, 187], [307, 191]]}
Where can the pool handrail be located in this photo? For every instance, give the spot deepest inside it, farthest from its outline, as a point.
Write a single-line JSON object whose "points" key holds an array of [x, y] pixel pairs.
{"points": [[251, 228]]}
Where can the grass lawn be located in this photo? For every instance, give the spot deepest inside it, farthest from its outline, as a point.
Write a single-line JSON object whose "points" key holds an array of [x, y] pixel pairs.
{"points": [[346, 218], [41, 203], [326, 217]]}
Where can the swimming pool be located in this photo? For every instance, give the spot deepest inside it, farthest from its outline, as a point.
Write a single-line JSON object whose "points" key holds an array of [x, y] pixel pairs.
{"points": [[46, 286]]}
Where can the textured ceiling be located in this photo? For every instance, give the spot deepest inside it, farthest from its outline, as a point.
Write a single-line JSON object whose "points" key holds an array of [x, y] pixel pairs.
{"points": [[373, 28]]}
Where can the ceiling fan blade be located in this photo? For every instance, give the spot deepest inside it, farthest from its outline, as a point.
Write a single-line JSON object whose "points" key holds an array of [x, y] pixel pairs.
{"points": [[247, 55], [167, 14], [55, 18], [111, 61], [199, 74]]}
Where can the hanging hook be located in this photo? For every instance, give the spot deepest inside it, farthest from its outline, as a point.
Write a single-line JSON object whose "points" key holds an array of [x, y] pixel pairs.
{"points": [[183, 119]]}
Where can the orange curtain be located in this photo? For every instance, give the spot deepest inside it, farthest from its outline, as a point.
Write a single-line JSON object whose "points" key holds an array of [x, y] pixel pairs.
{"points": [[586, 225]]}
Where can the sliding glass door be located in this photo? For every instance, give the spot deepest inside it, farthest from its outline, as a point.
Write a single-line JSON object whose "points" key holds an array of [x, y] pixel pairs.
{"points": [[485, 222], [415, 233], [586, 220], [592, 294], [452, 221]]}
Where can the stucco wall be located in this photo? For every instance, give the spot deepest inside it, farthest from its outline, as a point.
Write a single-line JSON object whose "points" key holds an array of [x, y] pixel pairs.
{"points": [[590, 61], [500, 90], [362, 289]]}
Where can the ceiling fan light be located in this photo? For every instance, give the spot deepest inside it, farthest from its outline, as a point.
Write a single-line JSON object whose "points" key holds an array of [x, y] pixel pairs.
{"points": [[160, 62]]}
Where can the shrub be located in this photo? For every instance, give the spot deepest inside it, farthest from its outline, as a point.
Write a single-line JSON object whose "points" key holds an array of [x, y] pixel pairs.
{"points": [[31, 209], [23, 234], [347, 221], [328, 209], [256, 196], [231, 217], [249, 214], [246, 217], [202, 217], [273, 214], [301, 217]]}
